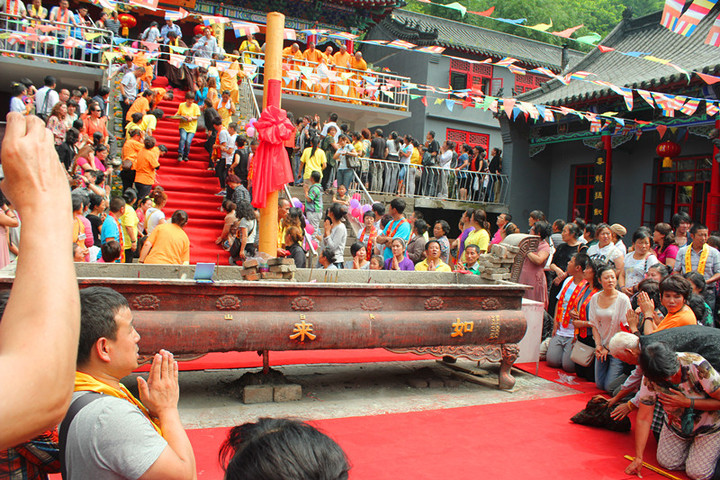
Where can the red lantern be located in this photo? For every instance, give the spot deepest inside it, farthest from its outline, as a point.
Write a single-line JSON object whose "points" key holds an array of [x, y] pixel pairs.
{"points": [[127, 21], [668, 150]]}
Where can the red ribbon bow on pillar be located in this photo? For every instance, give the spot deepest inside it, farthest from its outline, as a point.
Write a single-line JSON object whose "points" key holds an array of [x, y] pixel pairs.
{"points": [[270, 165]]}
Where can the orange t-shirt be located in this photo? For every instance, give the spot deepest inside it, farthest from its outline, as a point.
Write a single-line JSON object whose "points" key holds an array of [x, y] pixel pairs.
{"points": [[684, 317], [159, 95], [131, 149], [145, 165], [141, 104], [170, 245]]}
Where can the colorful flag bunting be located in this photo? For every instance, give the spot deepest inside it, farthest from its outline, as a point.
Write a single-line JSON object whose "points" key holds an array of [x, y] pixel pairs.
{"points": [[709, 79], [434, 49], [242, 29], [690, 107], [508, 105], [689, 20], [485, 13], [671, 13], [605, 49], [591, 39], [401, 44], [542, 26], [517, 21], [567, 32], [711, 109], [450, 104], [507, 61], [647, 97], [213, 19], [149, 4], [661, 129], [175, 16], [713, 37], [424, 101]]}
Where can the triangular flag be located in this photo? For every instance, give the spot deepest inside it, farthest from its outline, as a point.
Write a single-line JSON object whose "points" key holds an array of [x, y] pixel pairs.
{"points": [[713, 37], [455, 6], [567, 32], [591, 39], [661, 130], [438, 101], [485, 13], [424, 101], [671, 13], [542, 26], [605, 49], [711, 109], [149, 4], [709, 79], [508, 105], [450, 104]]}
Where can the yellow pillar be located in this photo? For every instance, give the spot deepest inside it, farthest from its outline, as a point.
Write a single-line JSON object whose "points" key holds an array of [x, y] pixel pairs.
{"points": [[219, 32], [268, 241]]}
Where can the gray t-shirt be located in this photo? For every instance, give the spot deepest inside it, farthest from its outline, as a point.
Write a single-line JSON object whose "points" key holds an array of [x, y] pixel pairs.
{"points": [[111, 439]]}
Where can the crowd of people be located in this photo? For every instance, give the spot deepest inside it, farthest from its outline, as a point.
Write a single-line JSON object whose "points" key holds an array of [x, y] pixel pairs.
{"points": [[601, 295], [89, 339]]}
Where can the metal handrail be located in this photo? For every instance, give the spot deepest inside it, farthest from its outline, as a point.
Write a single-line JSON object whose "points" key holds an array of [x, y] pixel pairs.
{"points": [[358, 180], [443, 183], [40, 45], [399, 97]]}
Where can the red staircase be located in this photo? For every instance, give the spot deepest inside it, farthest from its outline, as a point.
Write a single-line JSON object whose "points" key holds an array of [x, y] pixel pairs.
{"points": [[190, 186]]}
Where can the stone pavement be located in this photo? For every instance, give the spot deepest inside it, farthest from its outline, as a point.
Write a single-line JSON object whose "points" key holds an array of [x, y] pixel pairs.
{"points": [[211, 399]]}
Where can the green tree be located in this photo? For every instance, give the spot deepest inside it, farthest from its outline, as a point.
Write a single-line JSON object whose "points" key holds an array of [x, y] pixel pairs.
{"points": [[597, 16]]}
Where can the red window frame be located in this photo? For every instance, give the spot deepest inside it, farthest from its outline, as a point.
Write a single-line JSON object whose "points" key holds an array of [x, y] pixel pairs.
{"points": [[475, 74], [529, 81], [471, 138], [582, 190]]}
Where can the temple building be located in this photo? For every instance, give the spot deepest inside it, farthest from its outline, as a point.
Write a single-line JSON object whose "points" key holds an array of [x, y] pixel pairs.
{"points": [[459, 68], [648, 163]]}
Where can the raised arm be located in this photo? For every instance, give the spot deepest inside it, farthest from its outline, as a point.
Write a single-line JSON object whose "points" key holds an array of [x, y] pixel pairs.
{"points": [[42, 318]]}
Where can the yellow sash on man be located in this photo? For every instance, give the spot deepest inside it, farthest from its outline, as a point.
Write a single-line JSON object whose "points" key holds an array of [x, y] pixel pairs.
{"points": [[87, 383], [703, 259]]}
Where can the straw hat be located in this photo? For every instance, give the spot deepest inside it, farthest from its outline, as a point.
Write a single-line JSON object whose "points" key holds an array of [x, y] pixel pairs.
{"points": [[618, 229]]}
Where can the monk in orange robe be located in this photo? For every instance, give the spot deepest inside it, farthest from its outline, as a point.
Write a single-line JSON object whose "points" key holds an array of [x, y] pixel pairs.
{"points": [[292, 57], [357, 63], [343, 61], [312, 57]]}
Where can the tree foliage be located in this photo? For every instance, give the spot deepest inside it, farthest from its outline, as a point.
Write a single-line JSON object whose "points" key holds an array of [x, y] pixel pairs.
{"points": [[597, 16]]}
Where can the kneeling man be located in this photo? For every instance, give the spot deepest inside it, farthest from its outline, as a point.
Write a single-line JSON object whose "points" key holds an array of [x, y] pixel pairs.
{"points": [[108, 433]]}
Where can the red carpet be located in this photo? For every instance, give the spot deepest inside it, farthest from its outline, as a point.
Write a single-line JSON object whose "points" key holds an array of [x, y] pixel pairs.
{"points": [[515, 440], [553, 375], [531, 439], [218, 361], [190, 186]]}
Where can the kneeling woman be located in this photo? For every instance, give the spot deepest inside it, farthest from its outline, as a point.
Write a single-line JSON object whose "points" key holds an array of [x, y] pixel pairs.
{"points": [[607, 312]]}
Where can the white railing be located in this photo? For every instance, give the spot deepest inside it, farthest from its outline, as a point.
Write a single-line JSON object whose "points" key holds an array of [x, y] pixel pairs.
{"points": [[53, 41], [385, 177], [342, 84]]}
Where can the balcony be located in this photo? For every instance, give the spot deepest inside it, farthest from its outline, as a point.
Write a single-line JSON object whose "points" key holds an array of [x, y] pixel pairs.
{"points": [[364, 98], [34, 49]]}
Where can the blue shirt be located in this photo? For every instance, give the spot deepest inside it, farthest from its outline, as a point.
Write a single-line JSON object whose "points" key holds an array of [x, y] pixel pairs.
{"points": [[403, 231], [109, 229]]}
